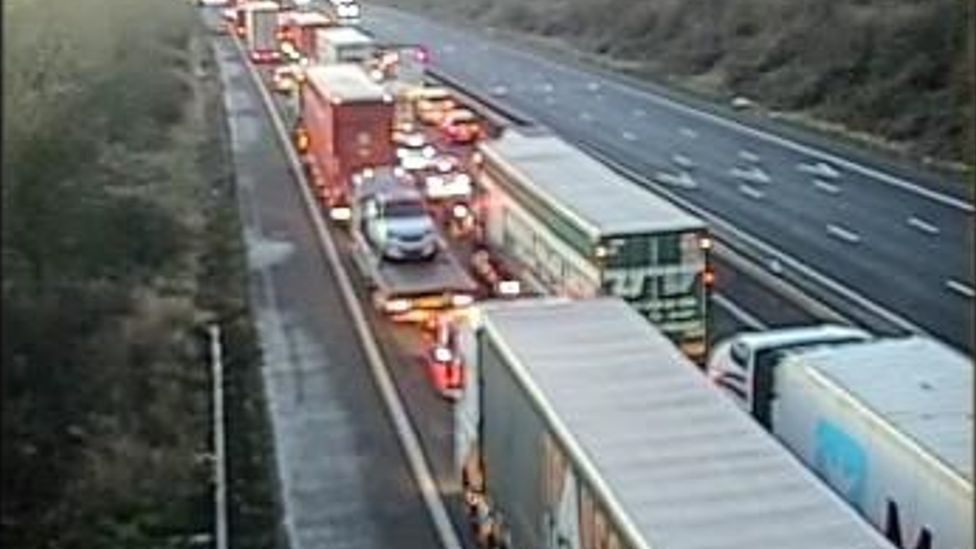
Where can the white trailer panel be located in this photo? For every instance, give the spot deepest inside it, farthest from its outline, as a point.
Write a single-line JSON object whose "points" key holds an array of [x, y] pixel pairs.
{"points": [[596, 429], [889, 425]]}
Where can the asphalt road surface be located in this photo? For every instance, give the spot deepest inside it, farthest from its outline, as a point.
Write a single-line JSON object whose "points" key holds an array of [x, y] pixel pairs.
{"points": [[893, 239], [342, 475]]}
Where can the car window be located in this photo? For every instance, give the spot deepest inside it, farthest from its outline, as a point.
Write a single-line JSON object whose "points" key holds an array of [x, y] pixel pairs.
{"points": [[740, 355], [404, 208]]}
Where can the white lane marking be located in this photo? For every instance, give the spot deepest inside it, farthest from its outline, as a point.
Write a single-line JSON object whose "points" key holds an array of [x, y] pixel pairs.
{"points": [[629, 136], [753, 173], [760, 246], [923, 225], [828, 188], [683, 161], [633, 87], [499, 90], [682, 179], [820, 169], [593, 86], [639, 113], [846, 235], [751, 192], [960, 288], [407, 434], [585, 116], [636, 89], [546, 88], [749, 156], [688, 132], [738, 312]]}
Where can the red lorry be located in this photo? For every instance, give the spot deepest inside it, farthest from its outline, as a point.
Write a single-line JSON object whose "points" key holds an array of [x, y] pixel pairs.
{"points": [[345, 126], [298, 31]]}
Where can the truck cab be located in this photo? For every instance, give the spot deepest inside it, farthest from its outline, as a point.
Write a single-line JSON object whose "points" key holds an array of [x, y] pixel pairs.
{"points": [[742, 365], [391, 216]]}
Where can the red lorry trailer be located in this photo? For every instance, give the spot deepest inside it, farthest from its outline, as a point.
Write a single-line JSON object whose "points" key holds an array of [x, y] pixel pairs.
{"points": [[298, 31], [345, 126]]}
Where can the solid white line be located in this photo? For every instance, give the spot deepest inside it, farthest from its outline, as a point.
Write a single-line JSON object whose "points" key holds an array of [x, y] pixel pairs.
{"points": [[636, 89], [738, 312], [751, 192], [846, 235], [828, 188], [407, 435], [960, 288], [923, 225]]}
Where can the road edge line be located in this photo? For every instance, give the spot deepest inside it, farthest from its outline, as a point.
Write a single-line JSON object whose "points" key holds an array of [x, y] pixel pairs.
{"points": [[407, 435]]}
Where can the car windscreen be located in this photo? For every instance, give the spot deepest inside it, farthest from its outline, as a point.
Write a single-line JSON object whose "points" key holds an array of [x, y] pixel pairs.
{"points": [[404, 208]]}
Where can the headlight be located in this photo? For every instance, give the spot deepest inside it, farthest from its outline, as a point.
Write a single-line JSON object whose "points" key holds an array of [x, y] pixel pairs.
{"points": [[462, 300]]}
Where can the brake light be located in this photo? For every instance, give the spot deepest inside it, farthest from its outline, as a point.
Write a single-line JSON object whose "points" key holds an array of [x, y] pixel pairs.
{"points": [[708, 277], [301, 140], [397, 305]]}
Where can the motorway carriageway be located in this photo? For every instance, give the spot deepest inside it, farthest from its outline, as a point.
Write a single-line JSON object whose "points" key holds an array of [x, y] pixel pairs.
{"points": [[894, 248], [344, 479]]}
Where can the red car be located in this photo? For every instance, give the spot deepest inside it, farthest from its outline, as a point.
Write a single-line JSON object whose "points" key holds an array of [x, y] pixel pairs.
{"points": [[461, 126], [443, 360]]}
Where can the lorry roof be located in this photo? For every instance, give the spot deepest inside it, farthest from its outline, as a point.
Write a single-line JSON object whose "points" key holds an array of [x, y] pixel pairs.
{"points": [[345, 81], [790, 336], [604, 200], [677, 458], [915, 385], [345, 36], [310, 18], [261, 6]]}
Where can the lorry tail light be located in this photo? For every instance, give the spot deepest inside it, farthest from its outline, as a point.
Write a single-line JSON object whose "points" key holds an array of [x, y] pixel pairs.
{"points": [[240, 31], [340, 213], [443, 354], [460, 211], [397, 305], [708, 277], [462, 300], [301, 140]]}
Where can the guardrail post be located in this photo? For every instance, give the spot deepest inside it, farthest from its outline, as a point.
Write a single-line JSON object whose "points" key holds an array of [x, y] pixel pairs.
{"points": [[220, 461]]}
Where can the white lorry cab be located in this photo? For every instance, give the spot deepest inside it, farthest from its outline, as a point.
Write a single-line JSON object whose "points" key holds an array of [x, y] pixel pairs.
{"points": [[886, 423], [733, 362]]}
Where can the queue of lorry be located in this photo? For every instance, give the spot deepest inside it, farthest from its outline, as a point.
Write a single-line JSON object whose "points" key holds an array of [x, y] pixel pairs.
{"points": [[582, 418]]}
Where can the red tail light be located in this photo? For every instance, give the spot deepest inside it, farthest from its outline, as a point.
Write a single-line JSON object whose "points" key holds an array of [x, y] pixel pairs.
{"points": [[708, 278]]}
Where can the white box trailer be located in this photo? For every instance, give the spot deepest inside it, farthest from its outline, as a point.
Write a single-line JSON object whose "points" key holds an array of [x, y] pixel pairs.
{"points": [[261, 27], [584, 230], [343, 45], [888, 424], [591, 429]]}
